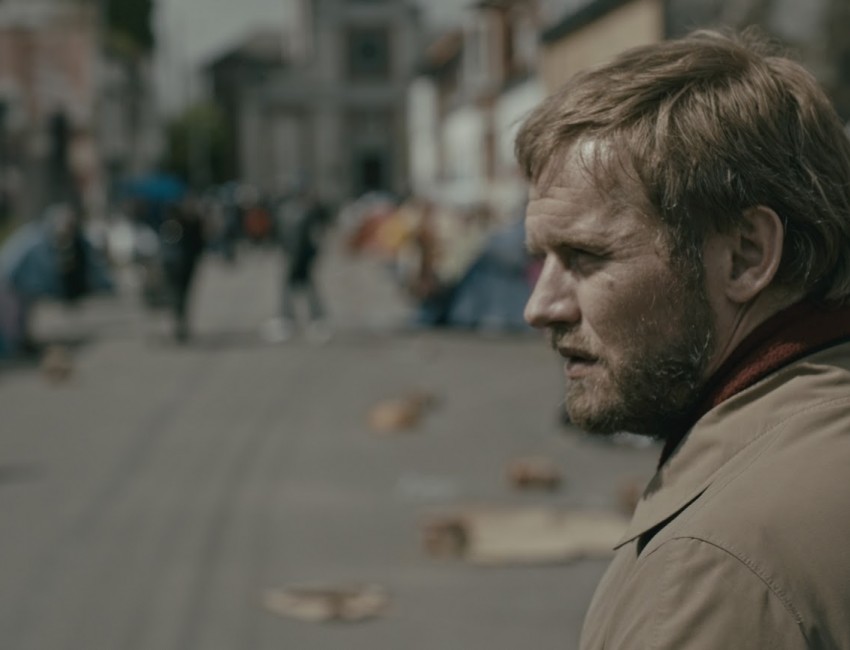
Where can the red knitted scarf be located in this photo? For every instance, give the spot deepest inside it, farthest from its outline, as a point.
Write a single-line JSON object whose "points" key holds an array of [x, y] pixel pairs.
{"points": [[789, 335]]}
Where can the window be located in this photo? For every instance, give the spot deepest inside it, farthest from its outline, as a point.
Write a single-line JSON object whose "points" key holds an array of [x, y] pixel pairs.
{"points": [[368, 53]]}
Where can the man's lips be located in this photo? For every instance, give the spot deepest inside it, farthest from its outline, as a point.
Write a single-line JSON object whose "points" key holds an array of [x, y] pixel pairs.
{"points": [[576, 354], [576, 361]]}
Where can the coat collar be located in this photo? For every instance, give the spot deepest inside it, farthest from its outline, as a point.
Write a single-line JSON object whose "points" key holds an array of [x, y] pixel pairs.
{"points": [[791, 334], [722, 436], [726, 430]]}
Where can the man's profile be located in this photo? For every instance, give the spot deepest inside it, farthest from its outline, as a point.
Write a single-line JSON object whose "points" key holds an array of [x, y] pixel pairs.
{"points": [[691, 204]]}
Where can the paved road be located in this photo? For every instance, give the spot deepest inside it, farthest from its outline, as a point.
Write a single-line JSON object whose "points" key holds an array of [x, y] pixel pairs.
{"points": [[149, 502]]}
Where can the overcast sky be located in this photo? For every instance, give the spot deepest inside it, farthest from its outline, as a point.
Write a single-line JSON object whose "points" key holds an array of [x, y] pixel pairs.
{"points": [[190, 32]]}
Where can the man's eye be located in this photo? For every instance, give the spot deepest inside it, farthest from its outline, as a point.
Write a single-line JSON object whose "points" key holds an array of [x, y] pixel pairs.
{"points": [[579, 252], [579, 259]]}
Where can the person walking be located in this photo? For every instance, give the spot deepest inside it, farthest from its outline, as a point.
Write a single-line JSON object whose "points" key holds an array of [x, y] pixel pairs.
{"points": [[182, 240], [301, 222]]}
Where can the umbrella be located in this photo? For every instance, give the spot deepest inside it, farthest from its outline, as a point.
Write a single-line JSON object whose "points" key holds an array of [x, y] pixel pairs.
{"points": [[160, 188]]}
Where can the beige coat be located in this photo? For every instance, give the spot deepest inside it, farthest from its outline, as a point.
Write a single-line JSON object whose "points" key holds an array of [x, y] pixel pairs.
{"points": [[753, 512]]}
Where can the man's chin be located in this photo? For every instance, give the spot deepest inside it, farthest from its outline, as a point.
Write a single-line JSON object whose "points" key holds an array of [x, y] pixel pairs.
{"points": [[605, 422], [590, 413], [605, 409]]}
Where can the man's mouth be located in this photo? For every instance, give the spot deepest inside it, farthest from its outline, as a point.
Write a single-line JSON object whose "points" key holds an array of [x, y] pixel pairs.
{"points": [[576, 361]]}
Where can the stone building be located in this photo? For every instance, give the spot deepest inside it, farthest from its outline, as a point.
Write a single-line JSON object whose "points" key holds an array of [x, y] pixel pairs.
{"points": [[334, 116], [480, 79], [473, 88], [235, 72], [47, 101], [72, 118], [595, 33]]}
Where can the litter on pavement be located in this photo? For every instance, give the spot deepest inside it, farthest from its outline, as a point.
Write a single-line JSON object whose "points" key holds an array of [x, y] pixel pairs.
{"points": [[400, 414], [511, 535], [327, 604], [534, 473], [56, 364]]}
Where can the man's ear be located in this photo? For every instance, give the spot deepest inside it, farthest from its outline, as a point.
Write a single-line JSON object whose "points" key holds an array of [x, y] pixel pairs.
{"points": [[755, 252]]}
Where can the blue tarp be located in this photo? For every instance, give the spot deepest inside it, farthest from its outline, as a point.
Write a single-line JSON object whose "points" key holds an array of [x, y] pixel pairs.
{"points": [[29, 264], [493, 291]]}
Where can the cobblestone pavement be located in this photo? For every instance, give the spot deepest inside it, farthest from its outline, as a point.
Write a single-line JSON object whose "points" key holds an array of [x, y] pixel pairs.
{"points": [[149, 501]]}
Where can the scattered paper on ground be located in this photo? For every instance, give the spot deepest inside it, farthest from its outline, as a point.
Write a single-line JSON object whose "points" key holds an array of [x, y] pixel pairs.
{"points": [[523, 535], [446, 536], [534, 473], [325, 604], [56, 364], [400, 414]]}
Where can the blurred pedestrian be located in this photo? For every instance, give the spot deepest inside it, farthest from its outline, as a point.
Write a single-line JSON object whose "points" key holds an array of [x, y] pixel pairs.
{"points": [[301, 221], [71, 251], [691, 206], [433, 296], [15, 328], [182, 239], [232, 227], [256, 221]]}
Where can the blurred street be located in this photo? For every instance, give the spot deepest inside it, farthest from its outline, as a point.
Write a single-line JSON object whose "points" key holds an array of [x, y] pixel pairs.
{"points": [[180, 467], [150, 500]]}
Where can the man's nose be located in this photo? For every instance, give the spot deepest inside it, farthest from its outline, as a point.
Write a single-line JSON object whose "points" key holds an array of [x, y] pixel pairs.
{"points": [[553, 299]]}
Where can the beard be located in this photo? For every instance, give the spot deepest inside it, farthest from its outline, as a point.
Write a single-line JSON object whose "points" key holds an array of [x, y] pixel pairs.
{"points": [[658, 379]]}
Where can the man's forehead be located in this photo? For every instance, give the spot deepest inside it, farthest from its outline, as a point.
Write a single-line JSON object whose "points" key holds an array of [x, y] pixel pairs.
{"points": [[572, 202], [550, 220], [593, 167], [586, 214]]}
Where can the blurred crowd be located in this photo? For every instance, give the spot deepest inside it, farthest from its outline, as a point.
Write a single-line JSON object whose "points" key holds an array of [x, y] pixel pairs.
{"points": [[460, 267], [464, 267]]}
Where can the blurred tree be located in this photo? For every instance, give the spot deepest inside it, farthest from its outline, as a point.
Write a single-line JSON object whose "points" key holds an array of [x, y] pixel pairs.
{"points": [[128, 26], [196, 148]]}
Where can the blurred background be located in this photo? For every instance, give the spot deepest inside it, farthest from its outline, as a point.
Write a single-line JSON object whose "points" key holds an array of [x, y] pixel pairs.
{"points": [[264, 378]]}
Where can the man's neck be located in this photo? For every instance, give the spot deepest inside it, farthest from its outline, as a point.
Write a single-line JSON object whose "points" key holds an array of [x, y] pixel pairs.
{"points": [[786, 336], [736, 322]]}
